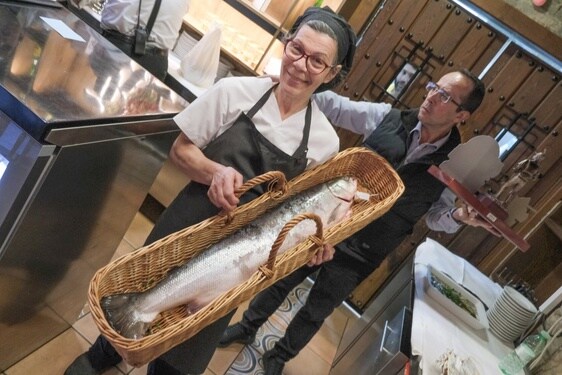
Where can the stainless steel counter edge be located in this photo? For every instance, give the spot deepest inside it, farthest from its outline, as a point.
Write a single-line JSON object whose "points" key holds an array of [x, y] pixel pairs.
{"points": [[99, 133]]}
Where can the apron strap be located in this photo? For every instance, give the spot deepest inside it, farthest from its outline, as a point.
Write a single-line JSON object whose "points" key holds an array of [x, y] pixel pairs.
{"points": [[260, 102], [303, 147]]}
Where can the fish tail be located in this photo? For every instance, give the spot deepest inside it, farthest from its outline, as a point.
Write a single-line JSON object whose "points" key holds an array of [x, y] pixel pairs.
{"points": [[123, 313]]}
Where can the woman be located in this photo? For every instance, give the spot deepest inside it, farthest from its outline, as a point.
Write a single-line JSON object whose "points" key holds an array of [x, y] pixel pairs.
{"points": [[240, 128]]}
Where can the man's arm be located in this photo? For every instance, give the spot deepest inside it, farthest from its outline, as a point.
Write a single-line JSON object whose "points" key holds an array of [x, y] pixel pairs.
{"points": [[445, 216], [360, 117], [439, 216]]}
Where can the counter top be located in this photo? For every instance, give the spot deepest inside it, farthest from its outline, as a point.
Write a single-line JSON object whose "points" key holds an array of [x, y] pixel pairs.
{"points": [[436, 331], [65, 73]]}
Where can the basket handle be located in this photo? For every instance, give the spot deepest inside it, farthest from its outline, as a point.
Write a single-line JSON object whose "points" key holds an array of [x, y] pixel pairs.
{"points": [[277, 183], [267, 268]]}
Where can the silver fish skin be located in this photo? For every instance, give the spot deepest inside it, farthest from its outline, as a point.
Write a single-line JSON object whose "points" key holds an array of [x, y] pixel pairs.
{"points": [[231, 261]]}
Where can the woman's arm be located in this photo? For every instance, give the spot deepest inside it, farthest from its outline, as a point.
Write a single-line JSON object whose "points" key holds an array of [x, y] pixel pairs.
{"points": [[222, 180], [359, 117]]}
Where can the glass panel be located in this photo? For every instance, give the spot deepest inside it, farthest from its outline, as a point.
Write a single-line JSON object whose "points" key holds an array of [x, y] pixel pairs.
{"points": [[507, 141], [3, 165], [18, 153], [402, 80]]}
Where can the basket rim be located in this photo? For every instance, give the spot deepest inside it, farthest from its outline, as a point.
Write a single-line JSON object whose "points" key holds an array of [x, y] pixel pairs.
{"points": [[138, 345]]}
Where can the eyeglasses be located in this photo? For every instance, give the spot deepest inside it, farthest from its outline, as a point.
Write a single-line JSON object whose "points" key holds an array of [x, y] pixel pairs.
{"points": [[314, 63], [445, 97]]}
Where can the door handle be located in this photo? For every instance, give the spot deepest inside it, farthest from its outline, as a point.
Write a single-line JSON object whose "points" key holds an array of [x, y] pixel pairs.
{"points": [[383, 341]]}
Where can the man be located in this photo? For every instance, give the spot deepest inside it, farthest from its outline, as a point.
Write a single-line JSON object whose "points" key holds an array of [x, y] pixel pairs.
{"points": [[411, 141], [119, 21]]}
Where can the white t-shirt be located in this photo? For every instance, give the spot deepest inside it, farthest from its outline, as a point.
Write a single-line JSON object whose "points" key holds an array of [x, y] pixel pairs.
{"points": [[217, 109], [122, 15]]}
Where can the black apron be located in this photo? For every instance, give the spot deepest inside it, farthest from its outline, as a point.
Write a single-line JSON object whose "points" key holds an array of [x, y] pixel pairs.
{"points": [[250, 153]]}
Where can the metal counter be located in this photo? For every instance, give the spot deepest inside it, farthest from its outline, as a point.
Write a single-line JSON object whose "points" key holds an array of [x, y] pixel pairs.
{"points": [[84, 131], [379, 341]]}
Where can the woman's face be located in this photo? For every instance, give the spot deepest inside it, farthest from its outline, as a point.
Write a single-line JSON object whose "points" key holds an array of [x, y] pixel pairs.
{"points": [[295, 78]]}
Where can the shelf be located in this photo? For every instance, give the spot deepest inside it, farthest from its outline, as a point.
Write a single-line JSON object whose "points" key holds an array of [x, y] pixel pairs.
{"points": [[260, 19], [240, 65], [251, 29]]}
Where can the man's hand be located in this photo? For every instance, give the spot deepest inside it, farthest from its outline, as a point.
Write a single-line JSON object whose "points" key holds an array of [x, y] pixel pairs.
{"points": [[325, 254], [468, 215], [222, 188]]}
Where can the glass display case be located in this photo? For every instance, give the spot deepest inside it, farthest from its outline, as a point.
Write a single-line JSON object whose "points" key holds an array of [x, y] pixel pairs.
{"points": [[251, 29], [84, 131]]}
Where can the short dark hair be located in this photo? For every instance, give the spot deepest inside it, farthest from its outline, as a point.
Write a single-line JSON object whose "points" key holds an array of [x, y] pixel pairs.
{"points": [[476, 95]]}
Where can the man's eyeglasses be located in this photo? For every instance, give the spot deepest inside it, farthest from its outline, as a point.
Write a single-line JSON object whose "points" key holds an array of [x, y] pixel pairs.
{"points": [[445, 97], [314, 64]]}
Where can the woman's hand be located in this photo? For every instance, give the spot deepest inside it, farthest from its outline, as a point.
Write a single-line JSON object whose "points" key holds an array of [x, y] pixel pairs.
{"points": [[324, 254], [223, 185], [222, 180]]}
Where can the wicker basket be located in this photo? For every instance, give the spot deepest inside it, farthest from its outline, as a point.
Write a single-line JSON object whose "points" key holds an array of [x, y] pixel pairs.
{"points": [[143, 268]]}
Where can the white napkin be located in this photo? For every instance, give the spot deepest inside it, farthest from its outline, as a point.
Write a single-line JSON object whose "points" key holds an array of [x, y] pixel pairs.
{"points": [[200, 65]]}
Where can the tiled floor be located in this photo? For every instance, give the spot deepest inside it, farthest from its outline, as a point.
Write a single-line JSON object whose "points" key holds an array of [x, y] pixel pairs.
{"points": [[315, 359]]}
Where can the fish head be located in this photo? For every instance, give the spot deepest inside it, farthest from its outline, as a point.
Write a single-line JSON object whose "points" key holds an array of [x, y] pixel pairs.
{"points": [[341, 194], [343, 188]]}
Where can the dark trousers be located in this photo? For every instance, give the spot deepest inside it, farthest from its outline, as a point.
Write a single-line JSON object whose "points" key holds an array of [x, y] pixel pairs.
{"points": [[335, 281], [157, 64], [193, 355], [190, 357]]}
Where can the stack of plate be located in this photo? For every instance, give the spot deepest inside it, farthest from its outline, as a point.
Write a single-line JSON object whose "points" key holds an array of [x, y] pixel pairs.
{"points": [[224, 68], [184, 44], [511, 314]]}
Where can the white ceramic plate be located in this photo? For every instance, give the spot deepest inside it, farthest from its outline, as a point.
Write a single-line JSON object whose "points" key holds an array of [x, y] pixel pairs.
{"points": [[435, 282]]}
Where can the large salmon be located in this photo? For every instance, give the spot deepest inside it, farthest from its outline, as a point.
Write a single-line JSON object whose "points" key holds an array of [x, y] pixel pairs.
{"points": [[230, 261]]}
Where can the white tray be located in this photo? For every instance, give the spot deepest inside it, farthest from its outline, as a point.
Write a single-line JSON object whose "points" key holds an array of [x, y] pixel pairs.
{"points": [[478, 322]]}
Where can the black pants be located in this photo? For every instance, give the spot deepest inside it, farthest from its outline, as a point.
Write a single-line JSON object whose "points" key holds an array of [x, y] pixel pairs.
{"points": [[193, 355], [190, 357], [157, 64], [335, 281]]}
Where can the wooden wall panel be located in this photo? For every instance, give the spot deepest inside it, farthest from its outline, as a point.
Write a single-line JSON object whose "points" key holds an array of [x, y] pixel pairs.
{"points": [[533, 91], [440, 37], [451, 34], [498, 89], [430, 20], [483, 60], [465, 51], [378, 44], [549, 111]]}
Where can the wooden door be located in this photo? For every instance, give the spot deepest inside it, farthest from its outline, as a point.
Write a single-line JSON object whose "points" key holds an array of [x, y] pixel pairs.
{"points": [[523, 97]]}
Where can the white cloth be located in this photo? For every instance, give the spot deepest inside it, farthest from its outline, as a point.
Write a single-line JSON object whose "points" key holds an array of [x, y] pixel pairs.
{"points": [[361, 117], [122, 16], [435, 330], [216, 110]]}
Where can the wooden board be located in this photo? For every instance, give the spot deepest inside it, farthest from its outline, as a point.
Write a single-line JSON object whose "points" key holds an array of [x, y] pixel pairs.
{"points": [[484, 211]]}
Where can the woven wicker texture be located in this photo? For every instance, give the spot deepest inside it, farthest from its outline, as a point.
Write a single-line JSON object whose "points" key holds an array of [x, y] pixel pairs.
{"points": [[146, 266]]}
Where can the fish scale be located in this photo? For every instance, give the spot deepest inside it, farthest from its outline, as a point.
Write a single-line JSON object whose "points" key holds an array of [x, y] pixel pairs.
{"points": [[231, 261]]}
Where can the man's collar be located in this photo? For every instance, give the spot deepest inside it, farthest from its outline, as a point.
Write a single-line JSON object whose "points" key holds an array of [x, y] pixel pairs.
{"points": [[438, 143]]}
